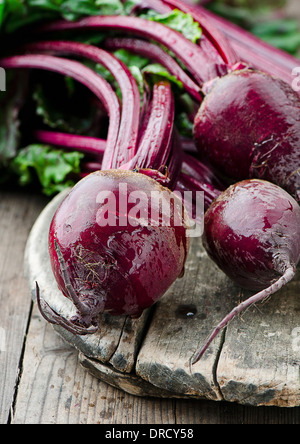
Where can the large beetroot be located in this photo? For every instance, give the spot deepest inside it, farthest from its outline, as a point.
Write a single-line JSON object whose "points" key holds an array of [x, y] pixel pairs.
{"points": [[112, 249], [119, 239], [249, 126]]}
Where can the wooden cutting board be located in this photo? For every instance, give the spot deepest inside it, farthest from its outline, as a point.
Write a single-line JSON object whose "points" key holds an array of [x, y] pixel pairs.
{"points": [[255, 361]]}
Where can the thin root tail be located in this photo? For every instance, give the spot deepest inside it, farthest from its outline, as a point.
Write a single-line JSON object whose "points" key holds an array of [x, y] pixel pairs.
{"points": [[287, 277], [54, 318]]}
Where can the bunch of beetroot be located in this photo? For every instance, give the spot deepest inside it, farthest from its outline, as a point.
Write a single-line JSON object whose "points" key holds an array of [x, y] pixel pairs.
{"points": [[106, 255]]}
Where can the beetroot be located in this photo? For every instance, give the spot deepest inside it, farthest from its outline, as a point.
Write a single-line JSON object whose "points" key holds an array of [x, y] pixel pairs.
{"points": [[106, 257], [252, 232], [249, 126], [117, 229]]}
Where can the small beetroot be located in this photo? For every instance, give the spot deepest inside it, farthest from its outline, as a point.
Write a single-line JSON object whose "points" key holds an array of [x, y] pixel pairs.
{"points": [[252, 232]]}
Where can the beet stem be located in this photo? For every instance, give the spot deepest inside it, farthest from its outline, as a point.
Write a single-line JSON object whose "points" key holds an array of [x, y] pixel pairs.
{"points": [[199, 62], [84, 144], [188, 182], [210, 30], [82, 74], [155, 145], [159, 152], [251, 49], [287, 277], [156, 53], [126, 145]]}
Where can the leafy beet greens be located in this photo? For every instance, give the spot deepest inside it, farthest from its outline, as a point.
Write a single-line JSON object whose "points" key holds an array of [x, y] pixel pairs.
{"points": [[53, 168]]}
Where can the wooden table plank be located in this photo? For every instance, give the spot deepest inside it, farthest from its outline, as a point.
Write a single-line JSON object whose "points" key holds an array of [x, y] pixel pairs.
{"points": [[263, 347], [182, 320], [55, 389], [18, 212]]}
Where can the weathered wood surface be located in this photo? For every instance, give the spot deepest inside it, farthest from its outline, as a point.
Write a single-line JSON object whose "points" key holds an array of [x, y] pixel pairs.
{"points": [[255, 362], [17, 214], [41, 379], [263, 348]]}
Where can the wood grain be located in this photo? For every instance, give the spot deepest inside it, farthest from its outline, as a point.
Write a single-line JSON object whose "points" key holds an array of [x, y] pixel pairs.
{"points": [[263, 348], [79, 397], [55, 389], [18, 212]]}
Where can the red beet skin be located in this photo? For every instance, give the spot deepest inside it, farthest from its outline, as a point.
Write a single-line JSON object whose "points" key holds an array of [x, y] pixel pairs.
{"points": [[118, 269], [248, 126], [252, 232]]}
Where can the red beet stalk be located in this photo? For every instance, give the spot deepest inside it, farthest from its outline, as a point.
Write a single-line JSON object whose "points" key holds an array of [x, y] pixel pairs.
{"points": [[155, 144], [218, 40], [159, 151], [203, 61], [253, 50], [248, 47], [201, 172], [82, 74], [84, 144], [157, 54], [196, 176], [130, 118]]}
